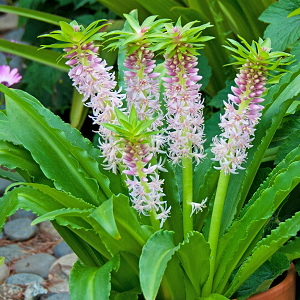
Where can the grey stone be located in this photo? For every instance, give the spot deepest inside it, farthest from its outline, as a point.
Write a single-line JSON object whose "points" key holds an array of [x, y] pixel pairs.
{"points": [[21, 213], [20, 229], [4, 273], [38, 264], [4, 183], [24, 278], [15, 35], [34, 291], [2, 235], [62, 249], [60, 296], [11, 252], [10, 291], [62, 287], [61, 268], [47, 227]]}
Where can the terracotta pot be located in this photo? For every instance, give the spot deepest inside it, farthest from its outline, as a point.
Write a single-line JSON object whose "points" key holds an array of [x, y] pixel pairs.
{"points": [[285, 290]]}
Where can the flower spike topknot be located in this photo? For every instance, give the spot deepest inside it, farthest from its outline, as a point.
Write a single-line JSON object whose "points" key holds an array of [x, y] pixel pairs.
{"points": [[243, 109]]}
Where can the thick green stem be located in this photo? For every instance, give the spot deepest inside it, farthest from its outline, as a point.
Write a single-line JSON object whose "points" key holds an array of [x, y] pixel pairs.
{"points": [[187, 178], [214, 230]]}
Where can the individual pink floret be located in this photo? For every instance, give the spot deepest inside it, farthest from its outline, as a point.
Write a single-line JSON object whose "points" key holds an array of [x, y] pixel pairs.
{"points": [[9, 77]]}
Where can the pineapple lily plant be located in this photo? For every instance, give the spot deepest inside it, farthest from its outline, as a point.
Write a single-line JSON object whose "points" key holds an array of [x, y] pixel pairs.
{"points": [[151, 213]]}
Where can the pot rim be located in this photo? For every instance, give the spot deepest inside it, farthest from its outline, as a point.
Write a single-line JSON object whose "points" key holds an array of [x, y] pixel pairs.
{"points": [[280, 288]]}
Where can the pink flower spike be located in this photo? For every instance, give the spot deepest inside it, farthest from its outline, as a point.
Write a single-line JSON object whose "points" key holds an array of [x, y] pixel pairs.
{"points": [[7, 77], [144, 179]]}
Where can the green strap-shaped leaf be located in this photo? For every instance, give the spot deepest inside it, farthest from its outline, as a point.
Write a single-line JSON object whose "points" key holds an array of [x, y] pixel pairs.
{"points": [[265, 249], [80, 217], [6, 133], [194, 254], [104, 215], [34, 14], [157, 252], [43, 56], [41, 203], [239, 237], [133, 235], [61, 197], [88, 283], [82, 246], [213, 297], [70, 167], [15, 157], [291, 249]]}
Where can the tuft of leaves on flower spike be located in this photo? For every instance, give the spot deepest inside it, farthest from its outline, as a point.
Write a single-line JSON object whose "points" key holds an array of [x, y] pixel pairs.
{"points": [[259, 53], [74, 36], [138, 35], [131, 128], [178, 39]]}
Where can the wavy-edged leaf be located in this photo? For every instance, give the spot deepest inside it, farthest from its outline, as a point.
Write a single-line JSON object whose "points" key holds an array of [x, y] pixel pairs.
{"points": [[43, 56], [291, 249], [194, 254], [6, 133], [38, 202], [157, 252], [34, 14], [79, 214], [103, 177], [282, 30], [265, 249], [104, 215], [240, 235], [16, 158], [88, 283], [278, 100], [69, 166], [133, 235], [83, 248]]}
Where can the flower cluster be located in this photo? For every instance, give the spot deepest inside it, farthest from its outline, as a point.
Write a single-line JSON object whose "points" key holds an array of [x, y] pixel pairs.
{"points": [[92, 79], [182, 93], [243, 111], [144, 185]]}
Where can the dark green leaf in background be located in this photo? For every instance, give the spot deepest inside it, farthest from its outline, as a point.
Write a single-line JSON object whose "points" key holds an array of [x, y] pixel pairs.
{"points": [[282, 31]]}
